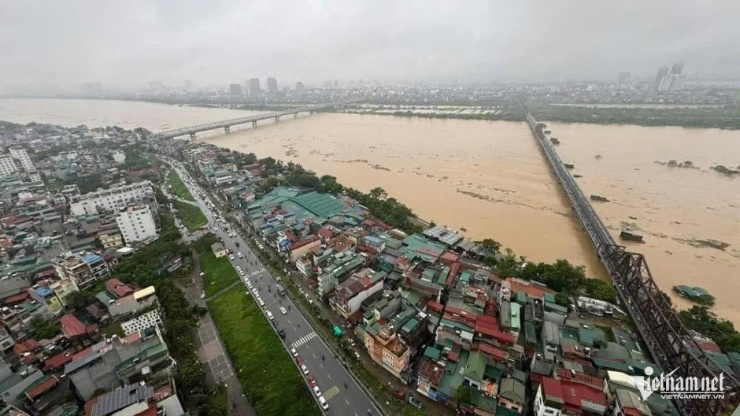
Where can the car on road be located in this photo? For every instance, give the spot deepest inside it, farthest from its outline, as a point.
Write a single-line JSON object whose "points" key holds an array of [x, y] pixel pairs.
{"points": [[312, 381], [281, 332], [203, 295], [261, 302], [316, 391], [294, 352], [324, 404], [241, 256], [283, 310], [270, 316], [231, 257], [304, 368], [299, 360], [414, 402], [241, 273]]}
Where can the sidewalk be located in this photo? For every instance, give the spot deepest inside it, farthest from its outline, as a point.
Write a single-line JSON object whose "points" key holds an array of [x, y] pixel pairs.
{"points": [[211, 351]]}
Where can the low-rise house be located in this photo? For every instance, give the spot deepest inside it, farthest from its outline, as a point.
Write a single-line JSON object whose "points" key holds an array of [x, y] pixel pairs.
{"points": [[349, 294], [116, 362]]}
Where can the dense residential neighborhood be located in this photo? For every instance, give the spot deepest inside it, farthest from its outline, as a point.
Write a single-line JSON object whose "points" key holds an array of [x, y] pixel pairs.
{"points": [[88, 243]]}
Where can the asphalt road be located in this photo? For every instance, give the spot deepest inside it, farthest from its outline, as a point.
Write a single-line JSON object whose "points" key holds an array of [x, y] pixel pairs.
{"points": [[344, 396]]}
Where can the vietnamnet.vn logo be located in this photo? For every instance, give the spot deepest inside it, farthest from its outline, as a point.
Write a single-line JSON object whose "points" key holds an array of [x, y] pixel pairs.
{"points": [[677, 387]]}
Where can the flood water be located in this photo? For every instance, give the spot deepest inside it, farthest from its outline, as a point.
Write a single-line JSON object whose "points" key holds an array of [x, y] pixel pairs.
{"points": [[491, 179]]}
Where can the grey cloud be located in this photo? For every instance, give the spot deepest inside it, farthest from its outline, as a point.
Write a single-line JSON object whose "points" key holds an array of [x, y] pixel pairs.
{"points": [[132, 42]]}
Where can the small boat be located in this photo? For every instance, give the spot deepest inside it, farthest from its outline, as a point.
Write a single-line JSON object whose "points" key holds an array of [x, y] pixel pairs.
{"points": [[547, 131], [630, 236], [599, 198], [554, 140], [569, 165], [577, 176]]}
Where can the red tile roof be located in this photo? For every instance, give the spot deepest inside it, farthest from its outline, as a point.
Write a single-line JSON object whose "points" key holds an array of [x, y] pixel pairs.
{"points": [[496, 353], [118, 288], [17, 299], [72, 327], [571, 394], [42, 388], [454, 269], [305, 241], [531, 289], [431, 371], [29, 345], [58, 361], [151, 411]]}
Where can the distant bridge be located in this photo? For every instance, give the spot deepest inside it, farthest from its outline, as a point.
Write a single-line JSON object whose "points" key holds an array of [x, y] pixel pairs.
{"points": [[669, 342], [227, 124]]}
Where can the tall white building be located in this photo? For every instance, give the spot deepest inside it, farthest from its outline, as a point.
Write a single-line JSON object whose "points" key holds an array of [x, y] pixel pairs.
{"points": [[119, 156], [113, 199], [7, 166], [136, 223], [21, 156]]}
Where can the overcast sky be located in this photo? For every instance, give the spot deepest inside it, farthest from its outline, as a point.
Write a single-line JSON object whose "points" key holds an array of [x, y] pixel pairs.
{"points": [[223, 41]]}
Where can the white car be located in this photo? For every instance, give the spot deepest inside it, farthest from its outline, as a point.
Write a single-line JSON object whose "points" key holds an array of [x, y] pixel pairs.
{"points": [[241, 273], [283, 310], [262, 303], [304, 368], [324, 403], [294, 352], [316, 391], [231, 257], [241, 256]]}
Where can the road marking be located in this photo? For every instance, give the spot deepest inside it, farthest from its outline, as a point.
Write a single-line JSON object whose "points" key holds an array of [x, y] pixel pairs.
{"points": [[304, 339], [331, 393], [346, 401], [329, 375]]}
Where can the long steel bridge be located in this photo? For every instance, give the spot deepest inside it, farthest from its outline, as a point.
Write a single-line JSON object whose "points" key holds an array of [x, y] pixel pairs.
{"points": [[667, 339], [227, 124]]}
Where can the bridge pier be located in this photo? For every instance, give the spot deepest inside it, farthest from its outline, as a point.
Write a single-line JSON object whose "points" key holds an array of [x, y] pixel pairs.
{"points": [[295, 115], [254, 124], [192, 136], [227, 130], [277, 118]]}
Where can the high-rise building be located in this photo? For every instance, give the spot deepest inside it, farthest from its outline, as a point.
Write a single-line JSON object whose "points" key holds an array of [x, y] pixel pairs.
{"points": [[235, 89], [21, 156], [299, 87], [254, 86], [669, 79], [7, 166], [136, 223], [272, 85]]}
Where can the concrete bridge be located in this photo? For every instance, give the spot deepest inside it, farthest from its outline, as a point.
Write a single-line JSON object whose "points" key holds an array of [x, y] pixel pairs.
{"points": [[666, 338], [227, 124]]}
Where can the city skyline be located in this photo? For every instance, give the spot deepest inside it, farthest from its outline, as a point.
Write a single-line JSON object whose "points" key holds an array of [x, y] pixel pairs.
{"points": [[432, 42]]}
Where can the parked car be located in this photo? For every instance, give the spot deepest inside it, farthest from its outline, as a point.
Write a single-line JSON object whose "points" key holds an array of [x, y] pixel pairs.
{"points": [[414, 402]]}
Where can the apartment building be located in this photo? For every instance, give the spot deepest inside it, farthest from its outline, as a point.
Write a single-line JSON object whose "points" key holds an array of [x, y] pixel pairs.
{"points": [[7, 166], [84, 269], [136, 223], [110, 200], [21, 156]]}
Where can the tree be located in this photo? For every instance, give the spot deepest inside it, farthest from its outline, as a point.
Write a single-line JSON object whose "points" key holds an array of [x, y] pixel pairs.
{"points": [[563, 299], [80, 299], [378, 193], [489, 245], [43, 329], [463, 395], [600, 289]]}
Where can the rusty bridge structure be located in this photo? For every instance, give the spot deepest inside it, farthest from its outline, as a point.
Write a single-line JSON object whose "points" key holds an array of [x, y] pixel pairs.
{"points": [[668, 341]]}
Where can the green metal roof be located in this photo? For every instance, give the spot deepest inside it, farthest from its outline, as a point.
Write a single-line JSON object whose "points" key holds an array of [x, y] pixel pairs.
{"points": [[476, 366]]}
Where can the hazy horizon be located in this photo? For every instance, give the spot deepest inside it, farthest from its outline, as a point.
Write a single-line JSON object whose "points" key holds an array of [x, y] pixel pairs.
{"points": [[132, 43]]}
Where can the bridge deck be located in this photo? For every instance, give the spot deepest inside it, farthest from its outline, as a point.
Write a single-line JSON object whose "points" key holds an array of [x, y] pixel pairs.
{"points": [[244, 120]]}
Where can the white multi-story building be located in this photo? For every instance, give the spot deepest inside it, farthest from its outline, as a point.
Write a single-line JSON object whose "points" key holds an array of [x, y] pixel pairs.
{"points": [[142, 322], [7, 166], [136, 223], [119, 156], [112, 199], [21, 156]]}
